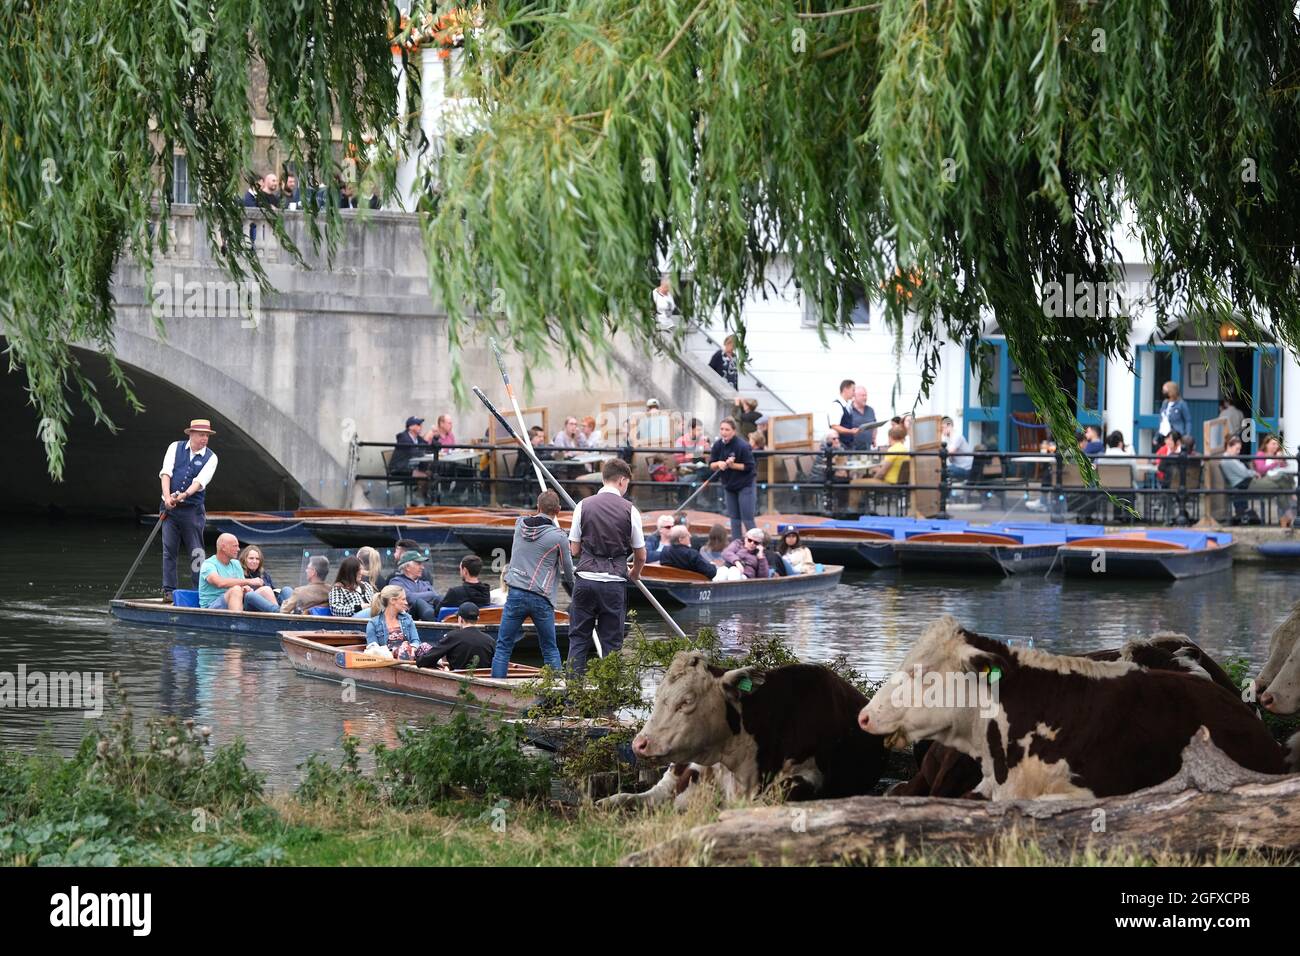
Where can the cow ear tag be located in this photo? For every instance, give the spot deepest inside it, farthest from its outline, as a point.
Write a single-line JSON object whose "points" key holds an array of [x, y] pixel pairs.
{"points": [[745, 685], [995, 674]]}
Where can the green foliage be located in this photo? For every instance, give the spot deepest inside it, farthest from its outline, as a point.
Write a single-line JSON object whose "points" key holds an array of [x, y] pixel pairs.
{"points": [[339, 787], [471, 753], [98, 93], [1242, 673]]}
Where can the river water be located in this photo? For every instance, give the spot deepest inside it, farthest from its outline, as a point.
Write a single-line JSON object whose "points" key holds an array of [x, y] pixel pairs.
{"points": [[57, 579]]}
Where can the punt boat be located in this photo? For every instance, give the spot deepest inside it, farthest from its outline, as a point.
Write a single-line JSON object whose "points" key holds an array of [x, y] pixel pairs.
{"points": [[865, 543], [691, 587], [1005, 549], [153, 612], [329, 655], [1167, 554]]}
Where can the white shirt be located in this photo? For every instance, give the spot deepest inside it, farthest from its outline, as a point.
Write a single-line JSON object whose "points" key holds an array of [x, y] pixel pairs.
{"points": [[575, 535], [957, 444], [205, 474], [835, 414], [664, 304]]}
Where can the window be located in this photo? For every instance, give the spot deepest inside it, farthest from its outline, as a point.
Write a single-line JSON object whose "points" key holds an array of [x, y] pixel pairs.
{"points": [[859, 313], [180, 178]]}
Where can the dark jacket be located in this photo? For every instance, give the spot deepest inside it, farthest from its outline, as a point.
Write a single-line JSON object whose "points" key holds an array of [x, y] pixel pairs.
{"points": [[460, 647], [754, 563], [415, 589], [734, 480], [725, 367], [407, 448], [687, 558], [478, 593]]}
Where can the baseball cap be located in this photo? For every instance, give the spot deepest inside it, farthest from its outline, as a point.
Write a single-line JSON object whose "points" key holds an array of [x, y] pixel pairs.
{"points": [[468, 611], [414, 421], [413, 556], [652, 403]]}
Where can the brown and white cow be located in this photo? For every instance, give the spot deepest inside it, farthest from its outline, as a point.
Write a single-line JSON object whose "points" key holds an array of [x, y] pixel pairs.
{"points": [[793, 728], [1062, 726], [1278, 684], [944, 772]]}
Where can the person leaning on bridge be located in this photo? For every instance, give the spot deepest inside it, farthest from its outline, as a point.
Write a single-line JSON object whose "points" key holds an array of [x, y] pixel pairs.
{"points": [[187, 470], [605, 532]]}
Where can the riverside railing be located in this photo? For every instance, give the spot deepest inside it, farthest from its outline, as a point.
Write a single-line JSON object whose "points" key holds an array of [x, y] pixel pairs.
{"points": [[834, 482]]}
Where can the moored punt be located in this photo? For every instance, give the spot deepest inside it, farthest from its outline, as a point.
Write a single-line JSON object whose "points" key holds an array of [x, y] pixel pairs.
{"points": [[326, 654], [155, 613], [1005, 550], [1164, 554], [865, 543], [358, 530], [691, 587]]}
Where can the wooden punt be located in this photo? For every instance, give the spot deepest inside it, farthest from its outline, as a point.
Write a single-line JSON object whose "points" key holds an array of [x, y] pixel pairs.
{"points": [[322, 654], [691, 587], [153, 612], [430, 531], [850, 547], [1147, 555], [977, 551]]}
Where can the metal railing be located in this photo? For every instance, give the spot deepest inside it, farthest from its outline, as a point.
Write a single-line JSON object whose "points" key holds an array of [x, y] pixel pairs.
{"points": [[828, 488]]}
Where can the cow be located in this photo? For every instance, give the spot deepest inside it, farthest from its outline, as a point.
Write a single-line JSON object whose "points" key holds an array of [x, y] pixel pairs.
{"points": [[1049, 726], [944, 772], [793, 729], [1278, 684]]}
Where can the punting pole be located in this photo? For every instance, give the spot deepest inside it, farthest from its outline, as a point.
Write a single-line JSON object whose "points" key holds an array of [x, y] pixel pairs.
{"points": [[140, 557], [682, 507], [564, 495], [519, 415]]}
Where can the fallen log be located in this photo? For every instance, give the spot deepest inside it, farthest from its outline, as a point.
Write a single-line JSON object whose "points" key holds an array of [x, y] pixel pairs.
{"points": [[1211, 805]]}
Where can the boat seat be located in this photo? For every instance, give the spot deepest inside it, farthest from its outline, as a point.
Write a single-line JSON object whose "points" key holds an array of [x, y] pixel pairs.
{"points": [[322, 611], [186, 598]]}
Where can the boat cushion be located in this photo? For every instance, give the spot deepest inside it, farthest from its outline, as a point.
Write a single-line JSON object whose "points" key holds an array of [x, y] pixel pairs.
{"points": [[185, 598], [322, 611]]}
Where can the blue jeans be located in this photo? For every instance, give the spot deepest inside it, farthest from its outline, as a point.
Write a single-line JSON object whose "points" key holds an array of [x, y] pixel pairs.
{"points": [[252, 602], [522, 604], [740, 509]]}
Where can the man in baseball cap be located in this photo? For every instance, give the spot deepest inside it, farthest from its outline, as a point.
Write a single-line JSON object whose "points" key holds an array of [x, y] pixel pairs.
{"points": [[409, 444], [420, 595], [463, 648]]}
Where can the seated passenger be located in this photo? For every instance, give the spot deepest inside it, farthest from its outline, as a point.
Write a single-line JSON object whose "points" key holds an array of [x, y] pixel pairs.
{"points": [[223, 584], [462, 648], [251, 560], [660, 539], [410, 577], [717, 544], [747, 554], [678, 553], [315, 593], [470, 589], [796, 552], [392, 628], [351, 596]]}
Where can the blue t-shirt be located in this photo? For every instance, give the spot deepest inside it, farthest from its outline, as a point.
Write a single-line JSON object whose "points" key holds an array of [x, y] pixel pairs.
{"points": [[209, 593]]}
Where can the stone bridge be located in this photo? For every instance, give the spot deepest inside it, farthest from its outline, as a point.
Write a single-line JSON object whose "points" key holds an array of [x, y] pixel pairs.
{"points": [[341, 349]]}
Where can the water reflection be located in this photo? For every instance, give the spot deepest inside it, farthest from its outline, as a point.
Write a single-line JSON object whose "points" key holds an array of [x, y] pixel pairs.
{"points": [[241, 685]]}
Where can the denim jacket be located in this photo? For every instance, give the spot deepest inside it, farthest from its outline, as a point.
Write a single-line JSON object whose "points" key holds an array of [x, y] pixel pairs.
{"points": [[377, 629]]}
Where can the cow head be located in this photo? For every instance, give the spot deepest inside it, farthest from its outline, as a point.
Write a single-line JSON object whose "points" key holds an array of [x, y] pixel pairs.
{"points": [[936, 694], [696, 712], [1278, 683]]}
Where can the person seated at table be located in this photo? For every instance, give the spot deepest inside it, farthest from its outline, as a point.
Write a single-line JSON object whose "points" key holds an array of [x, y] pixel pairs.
{"points": [[796, 552], [659, 540], [678, 553], [350, 596], [696, 446], [1115, 446], [891, 468], [315, 593], [830, 443], [392, 627], [1169, 448], [470, 590], [1092, 444], [1273, 472], [651, 427], [716, 546], [251, 560], [960, 461], [747, 554], [591, 434], [443, 434], [1238, 475], [409, 444], [523, 464], [410, 577], [223, 584], [464, 648], [570, 437]]}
